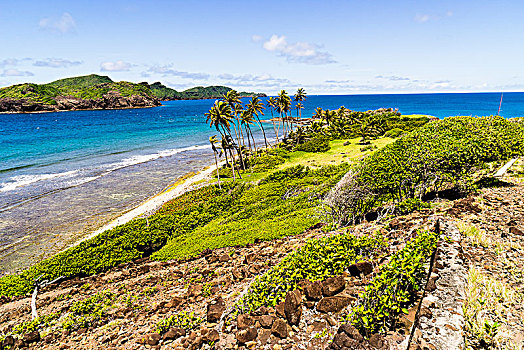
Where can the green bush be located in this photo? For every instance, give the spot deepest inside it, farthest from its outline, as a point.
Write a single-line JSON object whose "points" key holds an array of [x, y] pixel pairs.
{"points": [[316, 260], [410, 205], [185, 320], [317, 144], [395, 287], [394, 133]]}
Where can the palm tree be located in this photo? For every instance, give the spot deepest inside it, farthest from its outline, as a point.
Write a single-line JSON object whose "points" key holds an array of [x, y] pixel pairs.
{"points": [[318, 113], [283, 107], [299, 97], [246, 119], [228, 144], [233, 100], [213, 139], [299, 107], [272, 104], [256, 106], [328, 116]]}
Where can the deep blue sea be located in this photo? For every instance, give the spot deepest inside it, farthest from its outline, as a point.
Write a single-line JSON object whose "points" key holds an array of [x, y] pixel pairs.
{"points": [[64, 174]]}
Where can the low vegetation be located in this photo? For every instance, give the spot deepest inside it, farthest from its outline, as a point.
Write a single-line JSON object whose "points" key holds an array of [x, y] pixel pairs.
{"points": [[395, 287]]}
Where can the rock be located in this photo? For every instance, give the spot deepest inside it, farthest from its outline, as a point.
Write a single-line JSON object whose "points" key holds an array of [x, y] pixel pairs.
{"points": [[279, 309], [279, 328], [293, 307], [245, 321], [263, 335], [516, 231], [313, 290], [333, 285], [31, 337], [224, 257], [194, 290], [9, 341], [211, 336], [333, 304], [317, 326], [250, 258], [215, 310], [174, 333], [351, 332], [174, 302], [19, 344], [360, 268], [347, 143], [378, 341], [245, 335], [266, 321], [152, 338]]}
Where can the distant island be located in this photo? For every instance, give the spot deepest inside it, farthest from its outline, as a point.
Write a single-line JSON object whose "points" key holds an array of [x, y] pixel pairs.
{"points": [[97, 92]]}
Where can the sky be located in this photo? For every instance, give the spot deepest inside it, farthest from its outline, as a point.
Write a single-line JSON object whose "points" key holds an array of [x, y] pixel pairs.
{"points": [[326, 47]]}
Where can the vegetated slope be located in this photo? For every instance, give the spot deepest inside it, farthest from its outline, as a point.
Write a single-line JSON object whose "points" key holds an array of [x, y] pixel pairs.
{"points": [[85, 92], [196, 93]]}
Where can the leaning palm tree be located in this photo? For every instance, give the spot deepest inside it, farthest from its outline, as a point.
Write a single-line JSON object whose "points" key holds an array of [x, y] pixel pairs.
{"points": [[328, 116], [213, 139], [299, 108], [228, 145], [233, 100], [256, 106]]}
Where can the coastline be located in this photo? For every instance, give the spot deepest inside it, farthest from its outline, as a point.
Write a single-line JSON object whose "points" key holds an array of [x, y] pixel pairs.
{"points": [[176, 189]]}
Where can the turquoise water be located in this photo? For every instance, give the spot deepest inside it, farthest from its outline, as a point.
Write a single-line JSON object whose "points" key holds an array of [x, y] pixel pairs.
{"points": [[64, 174]]}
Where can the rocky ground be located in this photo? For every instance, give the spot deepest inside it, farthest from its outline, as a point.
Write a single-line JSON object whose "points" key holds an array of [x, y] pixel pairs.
{"points": [[121, 309]]}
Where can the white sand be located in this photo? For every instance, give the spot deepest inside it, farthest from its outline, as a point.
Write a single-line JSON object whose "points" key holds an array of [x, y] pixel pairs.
{"points": [[156, 202]]}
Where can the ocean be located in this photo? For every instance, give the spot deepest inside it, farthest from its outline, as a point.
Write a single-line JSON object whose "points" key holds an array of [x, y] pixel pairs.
{"points": [[63, 175]]}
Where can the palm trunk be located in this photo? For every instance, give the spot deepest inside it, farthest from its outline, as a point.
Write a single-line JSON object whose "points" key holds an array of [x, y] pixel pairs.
{"points": [[263, 131], [218, 172]]}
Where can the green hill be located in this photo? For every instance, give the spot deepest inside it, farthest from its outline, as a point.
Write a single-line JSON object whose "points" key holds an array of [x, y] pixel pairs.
{"points": [[164, 93]]}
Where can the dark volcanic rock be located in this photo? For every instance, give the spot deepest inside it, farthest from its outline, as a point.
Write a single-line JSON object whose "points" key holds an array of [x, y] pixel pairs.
{"points": [[215, 310], [152, 338], [333, 285], [245, 321], [31, 337], [313, 290], [174, 333], [279, 328], [333, 304], [245, 335], [293, 307]]}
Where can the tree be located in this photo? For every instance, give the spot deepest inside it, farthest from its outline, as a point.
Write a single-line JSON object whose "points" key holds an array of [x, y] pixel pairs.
{"points": [[256, 106], [300, 96], [328, 116], [213, 139], [283, 107], [233, 100], [272, 104], [318, 113]]}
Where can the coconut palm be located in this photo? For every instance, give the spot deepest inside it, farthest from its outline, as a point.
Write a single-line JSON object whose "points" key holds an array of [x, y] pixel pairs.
{"points": [[299, 97], [272, 104], [328, 116], [246, 119], [220, 117], [256, 106], [318, 113], [232, 98], [228, 145], [299, 108], [213, 140], [283, 107]]}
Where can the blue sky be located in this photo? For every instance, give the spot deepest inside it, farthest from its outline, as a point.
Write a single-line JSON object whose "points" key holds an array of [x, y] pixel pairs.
{"points": [[327, 47]]}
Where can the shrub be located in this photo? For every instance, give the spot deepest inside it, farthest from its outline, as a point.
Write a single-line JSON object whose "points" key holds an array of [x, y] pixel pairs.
{"points": [[394, 133], [185, 320], [395, 287], [317, 144], [316, 260], [410, 205]]}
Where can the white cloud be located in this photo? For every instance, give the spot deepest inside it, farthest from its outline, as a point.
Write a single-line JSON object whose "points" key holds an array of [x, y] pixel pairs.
{"points": [[167, 70], [64, 24], [301, 52], [4, 83], [12, 61], [56, 63], [118, 66], [256, 38], [424, 17], [393, 78], [15, 73]]}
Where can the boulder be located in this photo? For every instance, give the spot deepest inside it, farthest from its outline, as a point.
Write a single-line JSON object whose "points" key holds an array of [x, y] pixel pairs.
{"points": [[152, 338], [174, 333], [279, 328], [293, 307], [31, 337], [333, 285], [266, 321], [245, 321], [245, 335], [360, 268], [333, 304], [313, 290], [215, 310]]}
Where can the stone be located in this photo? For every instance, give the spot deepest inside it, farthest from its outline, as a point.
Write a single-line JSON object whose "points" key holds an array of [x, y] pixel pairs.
{"points": [[279, 309], [174, 302], [174, 333], [333, 285], [351, 332], [212, 336], [293, 307], [279, 328], [152, 338], [342, 341], [516, 231], [224, 257], [194, 290], [263, 335], [317, 326], [245, 335], [313, 290], [215, 310], [333, 304], [266, 321], [378, 341], [8, 341], [250, 258], [245, 321], [31, 337]]}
